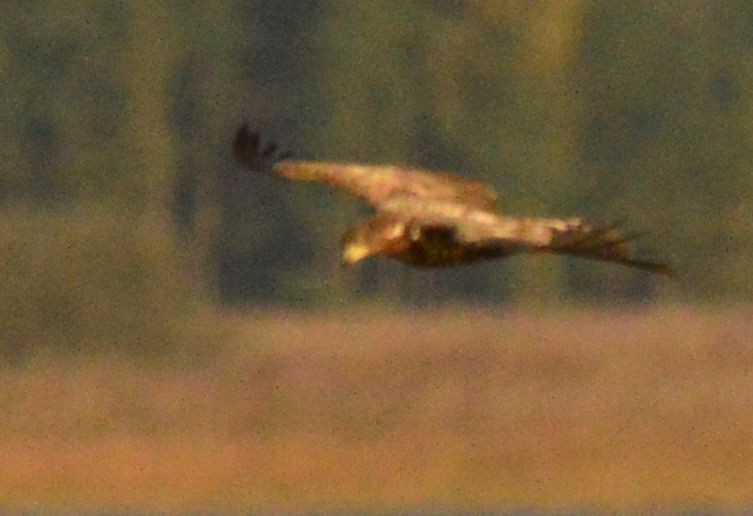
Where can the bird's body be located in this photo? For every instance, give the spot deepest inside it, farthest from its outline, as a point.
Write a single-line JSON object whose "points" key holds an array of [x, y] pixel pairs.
{"points": [[431, 219]]}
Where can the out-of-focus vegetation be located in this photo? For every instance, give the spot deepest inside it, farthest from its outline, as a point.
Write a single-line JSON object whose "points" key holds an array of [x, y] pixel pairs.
{"points": [[449, 409], [612, 109], [117, 189], [126, 231]]}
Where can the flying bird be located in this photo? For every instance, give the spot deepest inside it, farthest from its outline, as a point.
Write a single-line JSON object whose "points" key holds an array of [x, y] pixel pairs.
{"points": [[437, 219]]}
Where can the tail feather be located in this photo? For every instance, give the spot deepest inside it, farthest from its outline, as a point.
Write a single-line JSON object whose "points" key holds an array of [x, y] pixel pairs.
{"points": [[605, 243], [646, 265]]}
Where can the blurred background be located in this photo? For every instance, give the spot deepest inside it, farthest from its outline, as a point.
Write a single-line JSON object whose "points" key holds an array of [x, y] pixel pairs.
{"points": [[176, 333]]}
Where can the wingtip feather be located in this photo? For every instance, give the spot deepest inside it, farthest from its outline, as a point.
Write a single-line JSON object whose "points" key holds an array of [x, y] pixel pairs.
{"points": [[250, 152], [246, 146]]}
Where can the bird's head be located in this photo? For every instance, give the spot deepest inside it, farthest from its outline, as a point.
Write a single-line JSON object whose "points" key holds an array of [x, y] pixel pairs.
{"points": [[379, 235]]}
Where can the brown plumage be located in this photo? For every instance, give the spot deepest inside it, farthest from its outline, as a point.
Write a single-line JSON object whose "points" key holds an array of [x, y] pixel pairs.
{"points": [[437, 219]]}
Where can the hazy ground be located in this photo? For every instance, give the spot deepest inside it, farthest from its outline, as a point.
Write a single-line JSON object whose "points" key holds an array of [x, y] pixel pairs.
{"points": [[651, 408]]}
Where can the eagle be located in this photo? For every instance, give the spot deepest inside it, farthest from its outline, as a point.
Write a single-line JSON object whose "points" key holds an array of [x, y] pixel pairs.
{"points": [[438, 219]]}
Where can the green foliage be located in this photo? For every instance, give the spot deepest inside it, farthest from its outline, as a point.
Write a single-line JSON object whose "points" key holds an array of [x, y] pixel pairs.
{"points": [[91, 259], [117, 117], [87, 280]]}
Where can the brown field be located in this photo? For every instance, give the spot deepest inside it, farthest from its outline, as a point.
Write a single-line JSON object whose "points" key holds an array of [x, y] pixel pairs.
{"points": [[643, 409]]}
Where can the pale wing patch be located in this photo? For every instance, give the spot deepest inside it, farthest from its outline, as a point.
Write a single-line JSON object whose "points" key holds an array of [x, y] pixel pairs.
{"points": [[377, 184]]}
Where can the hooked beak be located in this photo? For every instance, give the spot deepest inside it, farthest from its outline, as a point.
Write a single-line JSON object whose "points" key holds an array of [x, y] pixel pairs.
{"points": [[354, 253]]}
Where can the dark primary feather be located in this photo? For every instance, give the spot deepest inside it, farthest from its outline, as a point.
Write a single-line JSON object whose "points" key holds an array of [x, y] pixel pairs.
{"points": [[246, 147], [249, 151]]}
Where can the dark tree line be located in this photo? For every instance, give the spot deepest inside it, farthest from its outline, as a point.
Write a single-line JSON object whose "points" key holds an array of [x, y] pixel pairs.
{"points": [[118, 188]]}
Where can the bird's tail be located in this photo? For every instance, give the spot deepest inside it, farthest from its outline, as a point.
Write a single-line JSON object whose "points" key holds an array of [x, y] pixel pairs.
{"points": [[606, 243]]}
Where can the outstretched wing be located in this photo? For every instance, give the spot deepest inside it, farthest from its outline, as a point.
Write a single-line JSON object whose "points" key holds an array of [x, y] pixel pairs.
{"points": [[489, 235], [372, 183]]}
